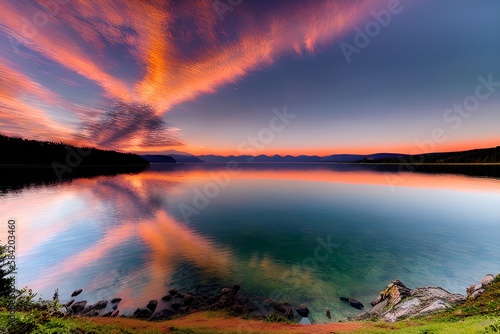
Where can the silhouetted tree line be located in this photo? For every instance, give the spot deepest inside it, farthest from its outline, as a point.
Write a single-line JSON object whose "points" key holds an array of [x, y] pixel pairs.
{"points": [[55, 162], [486, 155], [18, 151]]}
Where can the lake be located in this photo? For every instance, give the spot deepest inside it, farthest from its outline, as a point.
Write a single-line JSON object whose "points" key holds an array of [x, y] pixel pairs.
{"points": [[307, 233]]}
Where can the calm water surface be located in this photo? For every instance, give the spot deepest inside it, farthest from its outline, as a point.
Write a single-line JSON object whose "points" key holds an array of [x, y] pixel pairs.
{"points": [[305, 233]]}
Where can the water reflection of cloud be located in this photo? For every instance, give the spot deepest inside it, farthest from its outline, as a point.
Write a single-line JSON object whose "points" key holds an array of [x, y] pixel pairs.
{"points": [[133, 217], [141, 246]]}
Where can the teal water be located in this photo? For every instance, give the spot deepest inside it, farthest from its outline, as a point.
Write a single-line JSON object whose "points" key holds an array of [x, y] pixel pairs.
{"points": [[307, 234]]}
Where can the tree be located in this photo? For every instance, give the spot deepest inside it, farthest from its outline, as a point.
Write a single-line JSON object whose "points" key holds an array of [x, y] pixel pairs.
{"points": [[6, 280]]}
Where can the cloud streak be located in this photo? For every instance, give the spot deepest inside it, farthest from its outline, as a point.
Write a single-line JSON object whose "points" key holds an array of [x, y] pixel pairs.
{"points": [[148, 56], [131, 125]]}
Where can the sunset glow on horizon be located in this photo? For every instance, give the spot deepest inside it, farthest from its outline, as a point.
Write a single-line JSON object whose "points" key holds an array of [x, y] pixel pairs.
{"points": [[157, 75]]}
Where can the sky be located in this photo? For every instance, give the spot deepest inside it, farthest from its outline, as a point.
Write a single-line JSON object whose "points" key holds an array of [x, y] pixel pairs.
{"points": [[252, 76]]}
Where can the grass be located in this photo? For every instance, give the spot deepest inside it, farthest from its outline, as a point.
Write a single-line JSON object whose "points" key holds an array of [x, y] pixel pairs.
{"points": [[204, 324]]}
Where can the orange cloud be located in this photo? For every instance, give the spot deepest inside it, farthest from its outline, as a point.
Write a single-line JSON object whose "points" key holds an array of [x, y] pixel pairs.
{"points": [[22, 102], [180, 49]]}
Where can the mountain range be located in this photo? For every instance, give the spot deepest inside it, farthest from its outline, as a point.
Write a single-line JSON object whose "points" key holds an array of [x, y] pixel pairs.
{"points": [[178, 156], [300, 158], [484, 155]]}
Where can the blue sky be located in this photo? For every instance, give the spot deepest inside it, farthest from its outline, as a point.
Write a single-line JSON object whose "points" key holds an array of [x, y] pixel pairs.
{"points": [[151, 76]]}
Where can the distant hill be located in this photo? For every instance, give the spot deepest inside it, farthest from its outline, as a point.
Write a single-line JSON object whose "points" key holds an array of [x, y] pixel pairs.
{"points": [[301, 158], [182, 156], [22, 152], [185, 158], [155, 158], [358, 157], [484, 155]]}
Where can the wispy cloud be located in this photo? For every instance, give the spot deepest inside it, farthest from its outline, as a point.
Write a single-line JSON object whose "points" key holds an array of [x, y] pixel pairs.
{"points": [[148, 56], [130, 125]]}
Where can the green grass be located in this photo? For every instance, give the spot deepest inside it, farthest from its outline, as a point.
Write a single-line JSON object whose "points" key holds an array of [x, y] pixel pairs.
{"points": [[477, 324]]}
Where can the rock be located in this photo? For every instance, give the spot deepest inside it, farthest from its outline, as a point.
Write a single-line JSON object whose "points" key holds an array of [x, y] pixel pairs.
{"points": [[475, 290], [92, 313], [250, 308], [353, 302], [152, 305], [115, 313], [422, 301], [78, 306], [433, 307], [395, 292], [176, 303], [377, 300], [172, 292], [476, 294], [305, 321], [374, 313], [303, 311], [356, 303], [285, 309], [68, 304], [282, 307], [76, 292], [100, 305], [241, 300], [474, 287], [327, 313], [164, 314], [188, 299], [227, 291], [236, 288], [212, 300], [116, 300], [487, 280], [166, 298], [238, 309], [216, 306], [93, 310], [397, 302], [226, 300], [142, 313]]}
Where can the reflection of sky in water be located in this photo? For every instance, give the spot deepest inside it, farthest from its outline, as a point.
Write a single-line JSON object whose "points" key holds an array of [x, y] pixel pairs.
{"points": [[125, 236]]}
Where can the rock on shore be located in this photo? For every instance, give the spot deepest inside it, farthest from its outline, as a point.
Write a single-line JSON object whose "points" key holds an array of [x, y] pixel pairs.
{"points": [[175, 304], [398, 302]]}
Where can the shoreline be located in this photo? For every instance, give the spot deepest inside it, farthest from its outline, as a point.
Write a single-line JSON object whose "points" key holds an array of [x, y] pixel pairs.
{"points": [[472, 314], [386, 306]]}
